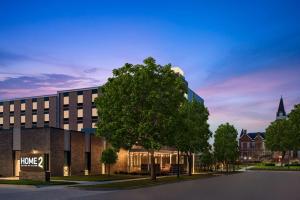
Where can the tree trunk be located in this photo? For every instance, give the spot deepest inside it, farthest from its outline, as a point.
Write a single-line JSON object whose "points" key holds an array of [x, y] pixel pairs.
{"points": [[282, 157], [153, 170], [190, 160], [226, 167], [178, 166]]}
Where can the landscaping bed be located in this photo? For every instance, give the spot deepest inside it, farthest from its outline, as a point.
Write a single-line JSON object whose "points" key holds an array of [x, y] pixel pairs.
{"points": [[35, 183], [97, 177]]}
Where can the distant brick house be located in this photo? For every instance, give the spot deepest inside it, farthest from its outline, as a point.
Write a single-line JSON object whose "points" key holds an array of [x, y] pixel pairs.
{"points": [[252, 145]]}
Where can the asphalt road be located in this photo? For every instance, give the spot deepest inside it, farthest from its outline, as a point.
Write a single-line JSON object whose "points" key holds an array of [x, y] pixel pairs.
{"points": [[250, 185]]}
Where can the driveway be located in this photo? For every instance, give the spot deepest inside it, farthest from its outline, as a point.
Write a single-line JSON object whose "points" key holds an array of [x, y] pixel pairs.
{"points": [[249, 185]]}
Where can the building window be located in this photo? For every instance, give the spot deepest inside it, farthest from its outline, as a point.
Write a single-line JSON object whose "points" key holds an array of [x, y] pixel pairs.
{"points": [[66, 100], [34, 118], [23, 106], [46, 117], [34, 105], [80, 98], [1, 108], [94, 125], [94, 96], [46, 104], [79, 126], [80, 113], [23, 120], [11, 119], [1, 120], [94, 112], [11, 107], [66, 114], [66, 126]]}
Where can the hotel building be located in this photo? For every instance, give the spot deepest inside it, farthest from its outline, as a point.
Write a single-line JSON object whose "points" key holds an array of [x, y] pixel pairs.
{"points": [[62, 126]]}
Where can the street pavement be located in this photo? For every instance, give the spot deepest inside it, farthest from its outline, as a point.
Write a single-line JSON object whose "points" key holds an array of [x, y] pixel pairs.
{"points": [[250, 185]]}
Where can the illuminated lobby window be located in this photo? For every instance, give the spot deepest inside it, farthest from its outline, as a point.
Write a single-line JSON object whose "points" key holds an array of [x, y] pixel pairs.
{"points": [[80, 113], [66, 114]]}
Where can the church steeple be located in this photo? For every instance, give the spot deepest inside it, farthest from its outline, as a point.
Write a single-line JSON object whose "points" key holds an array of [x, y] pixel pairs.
{"points": [[281, 114]]}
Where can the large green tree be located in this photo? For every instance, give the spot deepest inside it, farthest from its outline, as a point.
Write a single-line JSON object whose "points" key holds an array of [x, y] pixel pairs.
{"points": [[294, 117], [139, 106], [193, 132], [109, 157], [280, 137], [226, 145]]}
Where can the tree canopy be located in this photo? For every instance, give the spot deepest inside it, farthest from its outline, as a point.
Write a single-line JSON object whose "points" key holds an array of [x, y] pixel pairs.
{"points": [[226, 145], [109, 157], [139, 105], [280, 136], [294, 117]]}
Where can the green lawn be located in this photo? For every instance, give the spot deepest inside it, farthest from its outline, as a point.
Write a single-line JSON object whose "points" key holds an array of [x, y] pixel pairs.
{"points": [[35, 183], [97, 177], [143, 183], [275, 168]]}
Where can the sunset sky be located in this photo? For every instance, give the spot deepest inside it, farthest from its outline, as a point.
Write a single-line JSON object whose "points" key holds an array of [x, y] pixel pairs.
{"points": [[239, 57]]}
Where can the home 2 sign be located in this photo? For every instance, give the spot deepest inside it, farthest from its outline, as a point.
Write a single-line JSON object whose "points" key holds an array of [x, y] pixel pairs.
{"points": [[32, 162]]}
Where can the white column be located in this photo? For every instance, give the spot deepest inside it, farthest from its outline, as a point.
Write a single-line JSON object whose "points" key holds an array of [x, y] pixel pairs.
{"points": [[193, 169]]}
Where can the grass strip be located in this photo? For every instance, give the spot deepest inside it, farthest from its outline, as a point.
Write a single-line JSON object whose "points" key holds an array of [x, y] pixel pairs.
{"points": [[35, 183], [97, 177], [142, 183]]}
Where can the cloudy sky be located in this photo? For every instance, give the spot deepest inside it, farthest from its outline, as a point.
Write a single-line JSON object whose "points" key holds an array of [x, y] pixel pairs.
{"points": [[239, 57]]}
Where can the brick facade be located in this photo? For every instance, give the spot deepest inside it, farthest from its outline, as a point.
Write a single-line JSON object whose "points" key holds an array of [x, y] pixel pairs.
{"points": [[6, 155]]}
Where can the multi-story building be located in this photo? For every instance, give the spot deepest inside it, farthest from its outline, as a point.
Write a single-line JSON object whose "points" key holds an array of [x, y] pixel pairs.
{"points": [[72, 111]]}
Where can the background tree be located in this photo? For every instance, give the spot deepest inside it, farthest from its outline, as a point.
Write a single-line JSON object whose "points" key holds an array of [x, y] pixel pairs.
{"points": [[226, 145], [193, 134], [294, 118], [139, 105], [109, 157], [280, 137], [207, 159]]}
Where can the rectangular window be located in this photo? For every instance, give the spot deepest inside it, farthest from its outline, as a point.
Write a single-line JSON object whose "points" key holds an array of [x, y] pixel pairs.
{"points": [[94, 96], [46, 117], [46, 104], [34, 105], [80, 113], [1, 108], [34, 118], [66, 100], [1, 120], [79, 126], [66, 126], [94, 112], [80, 98], [23, 120], [11, 107], [66, 114], [11, 119], [94, 125], [23, 106]]}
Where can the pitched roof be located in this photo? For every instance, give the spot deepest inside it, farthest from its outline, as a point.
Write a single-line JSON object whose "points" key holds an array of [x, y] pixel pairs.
{"points": [[281, 108], [253, 135]]}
